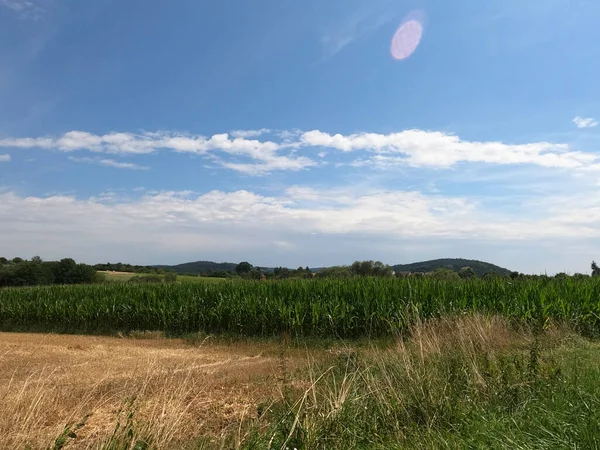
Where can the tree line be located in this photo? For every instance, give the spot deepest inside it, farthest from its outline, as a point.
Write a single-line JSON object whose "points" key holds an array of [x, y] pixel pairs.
{"points": [[122, 267], [22, 272]]}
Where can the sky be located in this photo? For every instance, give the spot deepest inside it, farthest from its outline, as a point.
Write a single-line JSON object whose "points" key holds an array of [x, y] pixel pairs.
{"points": [[305, 133]]}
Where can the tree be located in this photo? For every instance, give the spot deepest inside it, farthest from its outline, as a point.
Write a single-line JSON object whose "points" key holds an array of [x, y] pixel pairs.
{"points": [[466, 272], [491, 276], [63, 270], [243, 267], [170, 277], [379, 269], [29, 273], [335, 272], [445, 274], [281, 272], [3, 260], [371, 269], [595, 269], [17, 260], [82, 274], [255, 274]]}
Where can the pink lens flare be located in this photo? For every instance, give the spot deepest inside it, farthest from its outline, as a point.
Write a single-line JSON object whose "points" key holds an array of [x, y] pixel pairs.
{"points": [[406, 39]]}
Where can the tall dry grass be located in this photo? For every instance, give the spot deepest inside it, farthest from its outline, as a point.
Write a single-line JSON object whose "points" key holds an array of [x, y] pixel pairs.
{"points": [[447, 369]]}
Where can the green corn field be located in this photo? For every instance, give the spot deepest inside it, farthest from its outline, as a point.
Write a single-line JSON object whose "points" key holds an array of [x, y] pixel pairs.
{"points": [[350, 308]]}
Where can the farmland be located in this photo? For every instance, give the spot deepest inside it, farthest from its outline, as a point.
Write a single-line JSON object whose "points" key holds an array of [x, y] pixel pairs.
{"points": [[120, 277], [359, 307], [362, 362], [456, 382], [191, 388]]}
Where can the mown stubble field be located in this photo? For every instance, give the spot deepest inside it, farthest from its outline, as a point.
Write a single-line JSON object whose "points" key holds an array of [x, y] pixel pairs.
{"points": [[183, 389]]}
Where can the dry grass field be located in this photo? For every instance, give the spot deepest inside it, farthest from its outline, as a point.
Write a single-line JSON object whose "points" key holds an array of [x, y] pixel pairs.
{"points": [[466, 381], [183, 389], [122, 277]]}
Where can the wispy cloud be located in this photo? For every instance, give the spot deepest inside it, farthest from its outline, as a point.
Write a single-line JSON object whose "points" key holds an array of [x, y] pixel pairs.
{"points": [[249, 133], [107, 163], [243, 221], [414, 148], [420, 148], [26, 9], [121, 165], [585, 122], [264, 156], [4, 158], [357, 25]]}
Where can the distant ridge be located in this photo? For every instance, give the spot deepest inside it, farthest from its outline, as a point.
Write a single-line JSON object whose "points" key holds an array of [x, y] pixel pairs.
{"points": [[479, 267], [197, 267]]}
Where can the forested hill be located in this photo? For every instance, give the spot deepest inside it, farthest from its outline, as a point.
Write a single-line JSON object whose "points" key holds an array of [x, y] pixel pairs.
{"points": [[479, 267], [200, 267]]}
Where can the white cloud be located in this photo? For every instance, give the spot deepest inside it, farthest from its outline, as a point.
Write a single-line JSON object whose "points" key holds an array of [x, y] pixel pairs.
{"points": [[27, 143], [17, 5], [27, 9], [436, 149], [302, 210], [298, 223], [416, 148], [108, 163], [582, 122], [270, 164], [264, 156], [249, 133], [4, 158], [121, 165]]}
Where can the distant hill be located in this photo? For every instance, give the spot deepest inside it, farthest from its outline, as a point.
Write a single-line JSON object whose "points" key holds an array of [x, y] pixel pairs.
{"points": [[200, 267], [480, 267]]}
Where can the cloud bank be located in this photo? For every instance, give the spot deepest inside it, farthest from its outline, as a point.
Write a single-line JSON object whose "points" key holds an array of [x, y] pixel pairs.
{"points": [[183, 221], [415, 148]]}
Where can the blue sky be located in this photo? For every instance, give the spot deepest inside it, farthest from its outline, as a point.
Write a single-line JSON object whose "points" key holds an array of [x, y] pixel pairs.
{"points": [[285, 133]]}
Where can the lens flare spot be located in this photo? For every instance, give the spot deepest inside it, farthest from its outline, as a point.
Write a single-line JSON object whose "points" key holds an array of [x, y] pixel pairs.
{"points": [[406, 39]]}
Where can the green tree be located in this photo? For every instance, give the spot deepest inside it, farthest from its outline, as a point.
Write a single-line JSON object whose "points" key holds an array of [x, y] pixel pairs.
{"points": [[255, 274], [445, 274], [29, 273], [335, 272], [243, 267], [82, 274], [371, 269], [63, 270], [466, 272], [595, 269], [491, 276], [170, 277]]}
